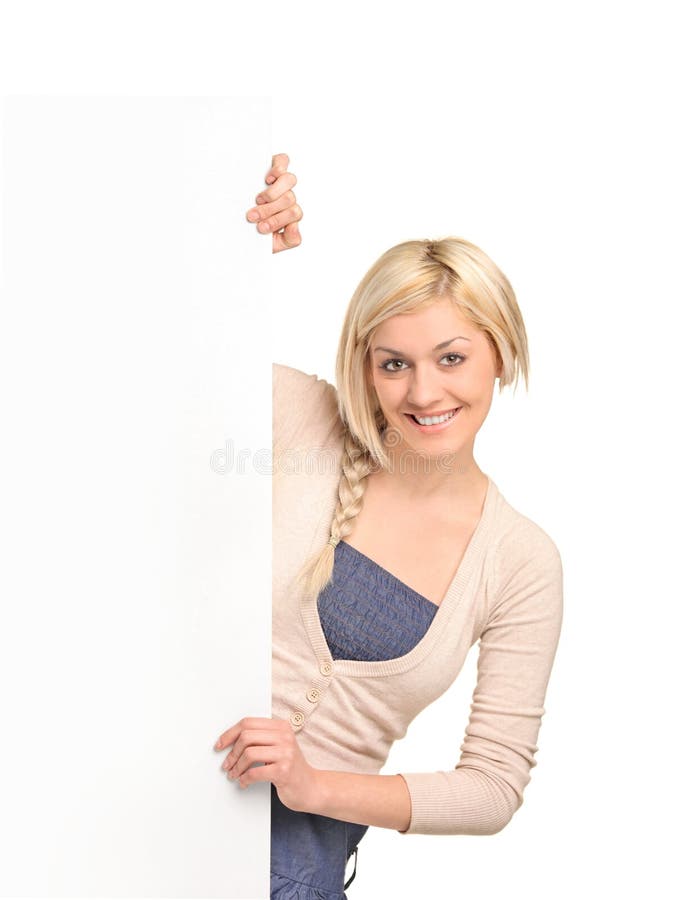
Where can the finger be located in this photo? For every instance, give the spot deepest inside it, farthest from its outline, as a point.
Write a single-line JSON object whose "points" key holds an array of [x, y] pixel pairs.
{"points": [[250, 738], [279, 164], [230, 735], [266, 772], [285, 183], [286, 239], [281, 219], [259, 213], [227, 737], [253, 756]]}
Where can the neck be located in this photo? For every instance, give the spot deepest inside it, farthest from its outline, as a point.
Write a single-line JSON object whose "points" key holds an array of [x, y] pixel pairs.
{"points": [[420, 476]]}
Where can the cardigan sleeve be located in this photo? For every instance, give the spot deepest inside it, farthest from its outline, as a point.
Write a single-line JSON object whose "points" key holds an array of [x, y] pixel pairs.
{"points": [[286, 388], [305, 409], [516, 654]]}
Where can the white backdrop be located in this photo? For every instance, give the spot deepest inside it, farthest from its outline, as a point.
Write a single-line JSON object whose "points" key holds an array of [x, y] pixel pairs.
{"points": [[545, 133], [554, 152], [135, 581]]}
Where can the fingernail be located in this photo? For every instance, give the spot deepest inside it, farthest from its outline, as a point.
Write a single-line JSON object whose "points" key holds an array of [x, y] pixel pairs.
{"points": [[253, 215], [260, 199], [217, 746], [264, 226], [270, 179]]}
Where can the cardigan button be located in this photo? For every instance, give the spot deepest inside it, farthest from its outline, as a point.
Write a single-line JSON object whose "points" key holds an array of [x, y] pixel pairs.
{"points": [[297, 718], [326, 668], [313, 695]]}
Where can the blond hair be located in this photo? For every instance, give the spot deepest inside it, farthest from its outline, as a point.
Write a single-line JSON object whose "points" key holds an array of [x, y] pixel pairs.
{"points": [[407, 278]]}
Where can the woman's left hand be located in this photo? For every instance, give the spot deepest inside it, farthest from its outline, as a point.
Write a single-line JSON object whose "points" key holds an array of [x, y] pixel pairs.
{"points": [[273, 743], [277, 210]]}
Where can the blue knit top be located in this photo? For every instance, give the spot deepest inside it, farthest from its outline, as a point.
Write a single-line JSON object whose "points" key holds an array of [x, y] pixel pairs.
{"points": [[369, 614]]}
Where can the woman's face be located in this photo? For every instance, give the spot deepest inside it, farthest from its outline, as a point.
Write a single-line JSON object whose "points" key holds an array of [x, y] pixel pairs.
{"points": [[432, 362]]}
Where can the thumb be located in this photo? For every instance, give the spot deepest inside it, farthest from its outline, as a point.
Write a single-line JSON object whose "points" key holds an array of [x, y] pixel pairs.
{"points": [[289, 237]]}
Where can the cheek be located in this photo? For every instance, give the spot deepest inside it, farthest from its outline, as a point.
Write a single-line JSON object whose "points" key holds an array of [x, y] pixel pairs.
{"points": [[395, 397], [387, 402], [482, 403], [476, 384]]}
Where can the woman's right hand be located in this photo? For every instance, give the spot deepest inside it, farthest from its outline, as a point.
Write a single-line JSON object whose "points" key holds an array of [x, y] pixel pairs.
{"points": [[277, 211]]}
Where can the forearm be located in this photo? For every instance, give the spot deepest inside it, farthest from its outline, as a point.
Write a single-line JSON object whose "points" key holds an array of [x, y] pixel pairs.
{"points": [[381, 800]]}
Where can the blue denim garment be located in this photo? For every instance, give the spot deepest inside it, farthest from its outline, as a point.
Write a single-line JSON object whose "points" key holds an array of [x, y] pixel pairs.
{"points": [[366, 614]]}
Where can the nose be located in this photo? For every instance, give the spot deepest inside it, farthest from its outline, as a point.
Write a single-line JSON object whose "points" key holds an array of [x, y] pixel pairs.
{"points": [[425, 391]]}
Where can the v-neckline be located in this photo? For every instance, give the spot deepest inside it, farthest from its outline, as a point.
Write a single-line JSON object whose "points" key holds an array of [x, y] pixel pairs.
{"points": [[473, 555]]}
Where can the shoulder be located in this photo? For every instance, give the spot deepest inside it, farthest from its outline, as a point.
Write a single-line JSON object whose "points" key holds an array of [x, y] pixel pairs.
{"points": [[524, 554], [305, 408], [289, 377], [519, 536]]}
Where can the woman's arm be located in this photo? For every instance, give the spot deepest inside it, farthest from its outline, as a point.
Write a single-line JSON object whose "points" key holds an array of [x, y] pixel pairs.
{"points": [[517, 650], [277, 211], [381, 800], [266, 749], [516, 654]]}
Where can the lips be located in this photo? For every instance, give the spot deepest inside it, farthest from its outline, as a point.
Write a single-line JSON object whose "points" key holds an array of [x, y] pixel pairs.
{"points": [[443, 412], [438, 426]]}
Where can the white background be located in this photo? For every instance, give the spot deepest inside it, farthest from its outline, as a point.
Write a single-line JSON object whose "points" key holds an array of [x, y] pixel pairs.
{"points": [[545, 134]]}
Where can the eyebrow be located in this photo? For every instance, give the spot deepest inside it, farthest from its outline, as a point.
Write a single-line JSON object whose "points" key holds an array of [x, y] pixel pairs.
{"points": [[459, 337]]}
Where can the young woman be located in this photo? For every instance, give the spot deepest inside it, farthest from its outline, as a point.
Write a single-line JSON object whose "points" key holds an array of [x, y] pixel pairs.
{"points": [[393, 553]]}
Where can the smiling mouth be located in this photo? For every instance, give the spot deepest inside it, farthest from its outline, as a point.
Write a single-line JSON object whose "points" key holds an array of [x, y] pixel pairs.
{"points": [[433, 426]]}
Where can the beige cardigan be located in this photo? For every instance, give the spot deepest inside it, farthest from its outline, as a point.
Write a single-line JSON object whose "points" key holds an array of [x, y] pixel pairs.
{"points": [[507, 593]]}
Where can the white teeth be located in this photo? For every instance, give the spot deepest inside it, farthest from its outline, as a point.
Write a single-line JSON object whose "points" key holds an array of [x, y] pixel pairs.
{"points": [[434, 420]]}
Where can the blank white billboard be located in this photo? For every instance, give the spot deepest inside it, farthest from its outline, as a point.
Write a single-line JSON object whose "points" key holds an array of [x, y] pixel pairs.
{"points": [[135, 372]]}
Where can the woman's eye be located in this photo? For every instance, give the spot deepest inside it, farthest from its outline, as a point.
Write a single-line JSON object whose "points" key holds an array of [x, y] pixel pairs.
{"points": [[388, 362], [456, 357]]}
